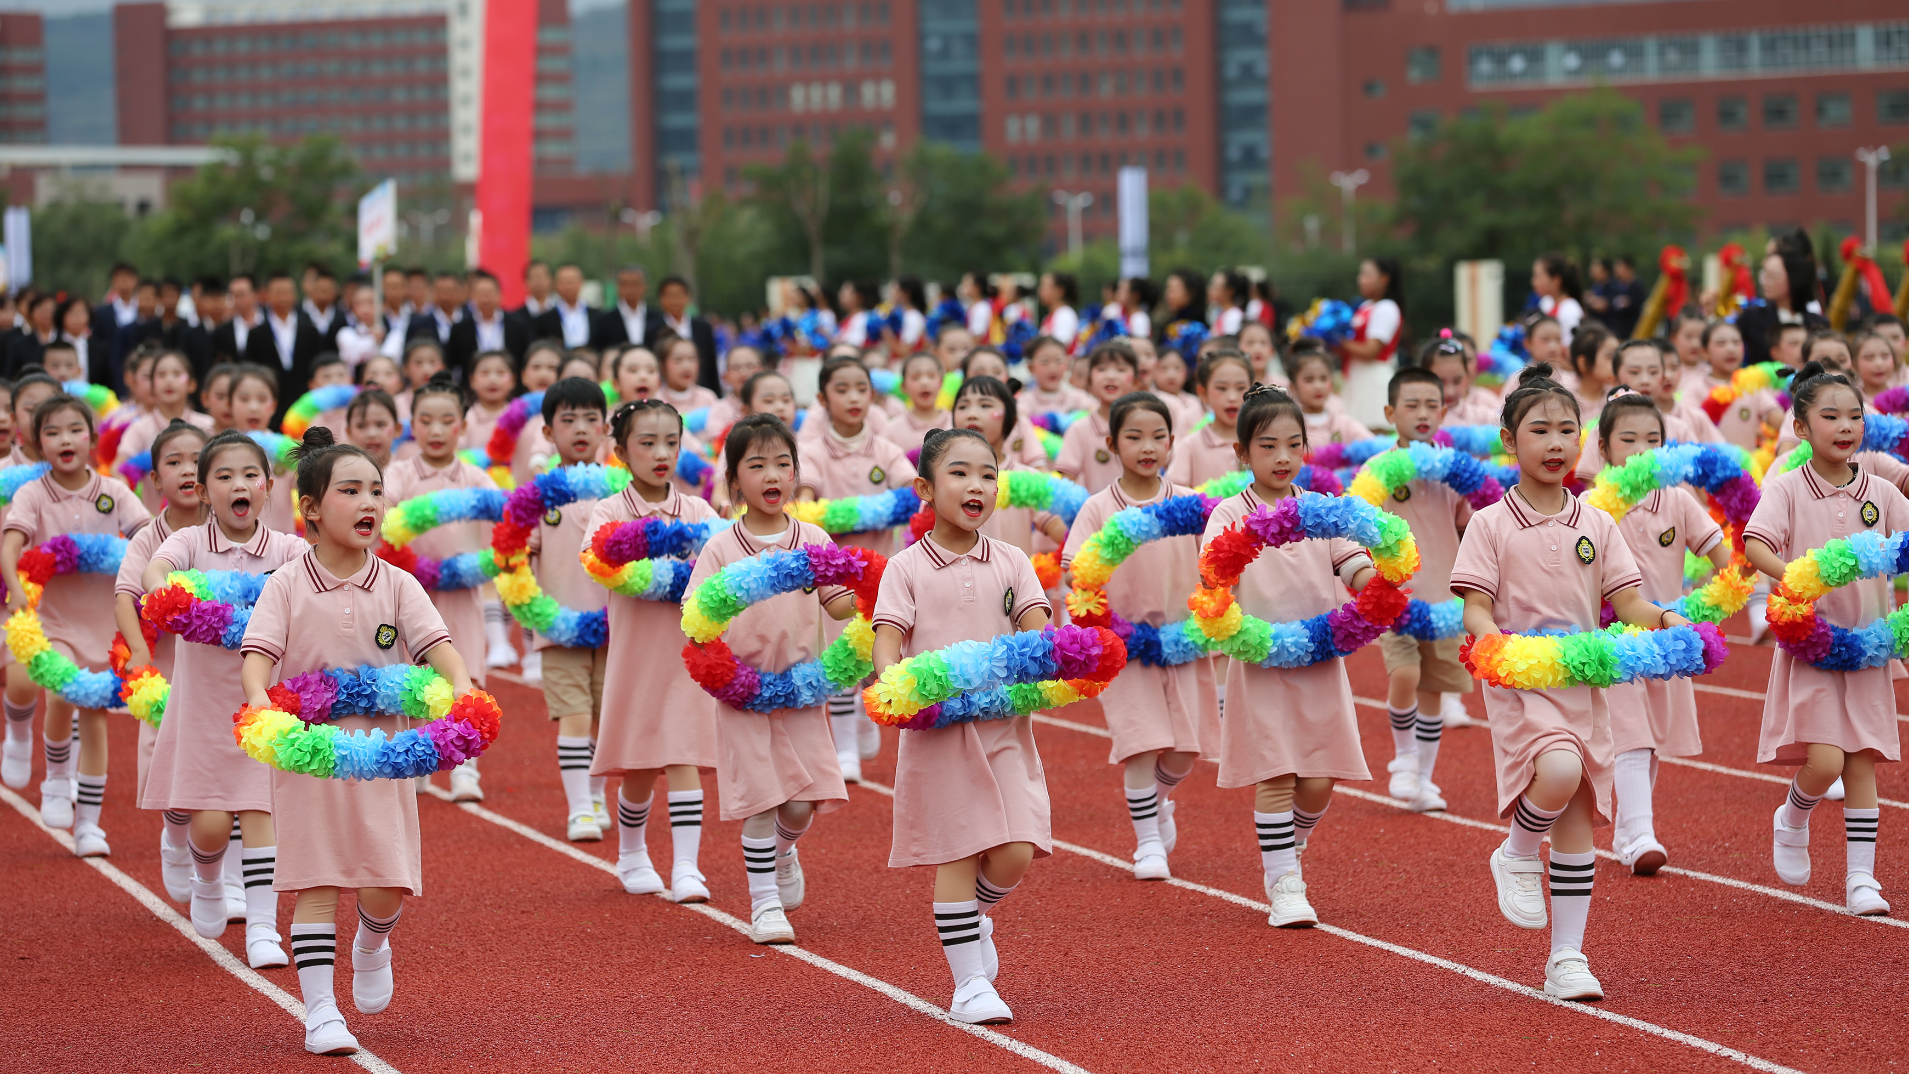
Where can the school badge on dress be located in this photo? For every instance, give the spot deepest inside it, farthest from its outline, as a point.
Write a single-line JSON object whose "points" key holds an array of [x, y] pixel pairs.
{"points": [[387, 636], [877, 475], [1100, 455], [1402, 493], [553, 517], [1587, 552], [1007, 603], [1667, 538], [104, 505], [1870, 514]]}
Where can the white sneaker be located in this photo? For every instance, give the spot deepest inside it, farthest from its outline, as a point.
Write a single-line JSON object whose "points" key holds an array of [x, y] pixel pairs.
{"points": [[262, 950], [771, 925], [16, 764], [1404, 782], [1643, 855], [1150, 862], [976, 1003], [533, 668], [1835, 792], [1290, 908], [585, 829], [90, 842], [868, 739], [791, 886], [1520, 883], [1865, 896], [464, 785], [1453, 712], [1427, 800], [851, 767], [175, 868], [325, 1032], [371, 984], [56, 803], [990, 961], [1759, 620], [638, 875], [687, 883], [1567, 975], [1169, 831], [1790, 851], [234, 895], [600, 805], [208, 908], [500, 656], [1299, 860]]}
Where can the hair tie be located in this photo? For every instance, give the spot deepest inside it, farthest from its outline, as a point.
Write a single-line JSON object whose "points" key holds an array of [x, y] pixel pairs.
{"points": [[1259, 389], [1444, 333], [1620, 391]]}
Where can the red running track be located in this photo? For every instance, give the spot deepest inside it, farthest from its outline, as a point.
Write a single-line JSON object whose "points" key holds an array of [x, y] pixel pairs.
{"points": [[526, 954]]}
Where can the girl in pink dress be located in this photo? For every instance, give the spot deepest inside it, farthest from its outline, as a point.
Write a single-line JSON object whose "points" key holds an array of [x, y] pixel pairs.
{"points": [[1743, 420], [1112, 371], [172, 388], [681, 364], [970, 798], [1222, 381], [1325, 413], [1465, 403], [1162, 718], [1047, 362], [1540, 560], [1289, 732], [1654, 717], [216, 395], [252, 398], [1593, 352], [437, 425], [1833, 723], [335, 833], [372, 423], [921, 382], [493, 377], [175, 473], [75, 609], [655, 718], [987, 406], [197, 766], [851, 459], [1023, 443], [23, 695], [775, 770]]}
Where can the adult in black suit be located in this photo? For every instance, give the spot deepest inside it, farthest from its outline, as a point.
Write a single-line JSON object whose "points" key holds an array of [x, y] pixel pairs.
{"points": [[673, 296], [485, 327], [118, 309], [179, 334], [285, 341], [567, 305], [321, 304], [239, 302], [435, 321], [25, 346], [630, 320]]}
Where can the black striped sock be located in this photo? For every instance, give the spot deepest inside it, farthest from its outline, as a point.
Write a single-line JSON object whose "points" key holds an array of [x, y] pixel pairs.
{"points": [[176, 817], [1429, 730], [89, 797], [313, 946], [1402, 723], [1569, 880], [1529, 824], [1167, 779], [207, 865], [960, 926], [684, 811], [842, 704], [759, 862], [1797, 807], [206, 857], [17, 714], [1276, 843], [1571, 877], [374, 931], [786, 836], [1859, 839], [260, 865], [988, 894], [1304, 823], [631, 816], [59, 755], [573, 754], [1143, 804]]}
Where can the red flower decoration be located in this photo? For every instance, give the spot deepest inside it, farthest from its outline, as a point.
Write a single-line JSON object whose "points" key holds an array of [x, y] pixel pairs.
{"points": [[1226, 556], [480, 710], [283, 699], [711, 665]]}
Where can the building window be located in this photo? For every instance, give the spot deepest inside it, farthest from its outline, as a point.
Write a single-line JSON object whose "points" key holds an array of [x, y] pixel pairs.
{"points": [[1832, 110], [1733, 178], [1676, 115], [1733, 114], [1892, 106], [1781, 176], [1423, 124], [1894, 174], [1374, 88], [1422, 65], [1779, 111], [1375, 151], [1834, 174]]}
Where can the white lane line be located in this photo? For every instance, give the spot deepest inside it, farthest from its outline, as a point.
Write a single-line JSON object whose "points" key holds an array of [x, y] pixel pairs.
{"points": [[164, 912], [1586, 1009], [1681, 762], [906, 999], [1481, 825]]}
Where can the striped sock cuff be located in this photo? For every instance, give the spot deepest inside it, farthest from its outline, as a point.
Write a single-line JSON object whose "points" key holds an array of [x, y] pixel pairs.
{"points": [[789, 835], [842, 704], [314, 945], [574, 753], [379, 925], [758, 855], [1801, 802], [1859, 825], [1304, 822], [1532, 819], [494, 612], [1275, 833], [58, 752], [631, 816], [1430, 727], [987, 893], [1167, 779], [685, 809], [1402, 721], [1143, 805], [958, 922], [17, 713], [1571, 874], [259, 865], [176, 817], [92, 791]]}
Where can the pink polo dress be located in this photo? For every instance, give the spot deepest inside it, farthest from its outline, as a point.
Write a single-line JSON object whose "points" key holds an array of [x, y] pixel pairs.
{"points": [[1085, 458], [1201, 456], [77, 609], [1289, 721], [139, 436], [462, 609], [1545, 572], [834, 469], [968, 787], [132, 569]]}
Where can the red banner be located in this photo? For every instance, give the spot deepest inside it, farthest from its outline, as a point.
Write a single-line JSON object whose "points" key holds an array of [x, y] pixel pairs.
{"points": [[505, 162]]}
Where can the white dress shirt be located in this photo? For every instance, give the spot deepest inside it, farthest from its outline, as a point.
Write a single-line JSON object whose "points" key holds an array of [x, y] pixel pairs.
{"points": [[575, 321], [284, 336], [633, 320], [490, 334]]}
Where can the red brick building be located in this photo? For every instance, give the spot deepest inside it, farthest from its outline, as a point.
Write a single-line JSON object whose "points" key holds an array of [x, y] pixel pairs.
{"points": [[22, 78]]}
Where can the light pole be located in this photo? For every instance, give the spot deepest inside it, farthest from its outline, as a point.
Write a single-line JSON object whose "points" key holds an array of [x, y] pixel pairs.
{"points": [[1348, 182], [428, 223], [641, 221], [1076, 204], [1871, 159]]}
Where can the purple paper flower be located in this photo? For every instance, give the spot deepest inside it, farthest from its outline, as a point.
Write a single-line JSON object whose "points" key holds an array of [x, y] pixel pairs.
{"points": [[456, 741], [203, 623], [833, 565], [924, 720], [428, 571], [1350, 630], [1737, 497], [66, 554], [741, 687], [1714, 648], [1279, 525], [316, 692], [1487, 493], [525, 508], [626, 544], [1076, 651]]}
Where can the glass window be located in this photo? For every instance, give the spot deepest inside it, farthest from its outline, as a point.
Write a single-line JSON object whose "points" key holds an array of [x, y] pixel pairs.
{"points": [[1374, 88], [1422, 65], [1781, 176], [1733, 177], [1676, 115], [1733, 113], [1779, 111], [1892, 106], [1423, 124], [1834, 174], [1832, 110]]}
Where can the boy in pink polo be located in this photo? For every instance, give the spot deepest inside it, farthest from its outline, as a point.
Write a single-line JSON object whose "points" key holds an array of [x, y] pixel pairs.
{"points": [[1112, 371]]}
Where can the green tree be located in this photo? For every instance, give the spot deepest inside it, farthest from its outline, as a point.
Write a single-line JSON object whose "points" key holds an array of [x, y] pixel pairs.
{"points": [[75, 243], [1188, 227], [970, 218]]}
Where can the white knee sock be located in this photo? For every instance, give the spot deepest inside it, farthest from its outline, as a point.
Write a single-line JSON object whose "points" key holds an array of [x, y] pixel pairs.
{"points": [[1304, 822], [375, 932], [1571, 876], [19, 723], [314, 949], [235, 857], [842, 723], [1529, 825], [261, 902], [959, 925], [1403, 724], [1796, 809], [1164, 781], [1632, 773], [786, 836], [1859, 839], [178, 822], [573, 768], [90, 797], [59, 758], [632, 826], [1427, 730], [1143, 808], [759, 861], [208, 865], [685, 826], [597, 783], [1276, 843], [496, 624], [988, 894]]}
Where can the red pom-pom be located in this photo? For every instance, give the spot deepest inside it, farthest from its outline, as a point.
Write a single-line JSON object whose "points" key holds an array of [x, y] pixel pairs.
{"points": [[507, 539], [117, 656], [37, 564], [1381, 602], [870, 586], [1102, 618], [1113, 655], [1715, 407], [284, 700], [711, 665], [402, 558], [921, 522], [1047, 567], [600, 540], [501, 446], [1226, 556], [480, 710]]}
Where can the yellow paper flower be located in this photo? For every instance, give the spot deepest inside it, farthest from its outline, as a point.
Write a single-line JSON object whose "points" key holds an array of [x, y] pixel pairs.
{"points": [[436, 696], [1086, 602], [518, 586], [1091, 571], [861, 635], [806, 511], [1368, 488], [1804, 578], [26, 638], [1225, 625], [699, 627]]}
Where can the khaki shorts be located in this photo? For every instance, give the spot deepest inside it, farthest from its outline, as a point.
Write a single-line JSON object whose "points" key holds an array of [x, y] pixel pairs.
{"points": [[573, 681], [1439, 671]]}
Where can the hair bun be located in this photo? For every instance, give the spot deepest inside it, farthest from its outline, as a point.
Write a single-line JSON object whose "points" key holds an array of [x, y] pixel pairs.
{"points": [[176, 422], [1534, 373], [442, 376], [317, 437], [1811, 369]]}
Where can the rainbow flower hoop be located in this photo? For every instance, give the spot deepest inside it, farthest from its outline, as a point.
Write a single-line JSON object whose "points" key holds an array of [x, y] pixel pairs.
{"points": [[502, 446], [1722, 471], [421, 514], [1010, 675], [306, 408], [50, 669], [1478, 441], [15, 478], [142, 689], [1051, 426], [461, 730], [858, 514], [1885, 433], [1093, 566], [1386, 473], [1220, 624], [281, 449], [510, 556], [1764, 376], [848, 660], [649, 559], [1356, 453], [1599, 658], [1824, 645], [204, 607]]}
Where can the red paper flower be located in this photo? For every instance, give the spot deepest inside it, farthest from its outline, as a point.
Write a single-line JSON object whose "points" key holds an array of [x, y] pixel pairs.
{"points": [[480, 710], [284, 699], [711, 665], [1226, 556], [1381, 602], [37, 564], [922, 521], [402, 558]]}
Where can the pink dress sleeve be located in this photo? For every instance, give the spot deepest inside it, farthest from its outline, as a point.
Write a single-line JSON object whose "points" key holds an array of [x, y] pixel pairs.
{"points": [[270, 627], [1348, 559], [1072, 461], [895, 601], [24, 513], [419, 622], [1476, 567], [1770, 522], [130, 513]]}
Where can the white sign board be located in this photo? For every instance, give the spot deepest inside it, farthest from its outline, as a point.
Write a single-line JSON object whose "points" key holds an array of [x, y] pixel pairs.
{"points": [[1132, 203], [19, 245], [378, 224], [1479, 298]]}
